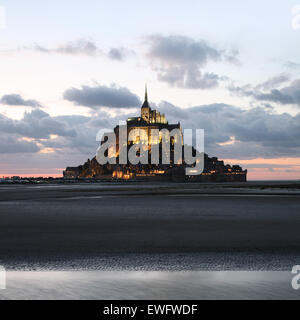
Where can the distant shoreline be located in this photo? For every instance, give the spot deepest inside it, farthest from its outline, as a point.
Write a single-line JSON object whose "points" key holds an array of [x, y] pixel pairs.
{"points": [[41, 180]]}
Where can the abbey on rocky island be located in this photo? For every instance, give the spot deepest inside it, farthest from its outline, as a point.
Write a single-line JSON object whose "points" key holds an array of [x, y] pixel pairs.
{"points": [[150, 120]]}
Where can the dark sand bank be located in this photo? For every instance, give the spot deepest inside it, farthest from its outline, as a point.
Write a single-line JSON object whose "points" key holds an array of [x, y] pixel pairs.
{"points": [[75, 222], [58, 191]]}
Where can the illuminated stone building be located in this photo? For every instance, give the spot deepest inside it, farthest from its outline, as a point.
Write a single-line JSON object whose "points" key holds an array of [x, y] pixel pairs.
{"points": [[141, 128], [139, 131]]}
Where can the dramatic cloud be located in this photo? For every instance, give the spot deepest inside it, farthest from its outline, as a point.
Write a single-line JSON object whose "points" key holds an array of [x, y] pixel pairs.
{"points": [[102, 96], [65, 135], [289, 94], [17, 100], [231, 132], [36, 124], [9, 145], [180, 60], [86, 129]]}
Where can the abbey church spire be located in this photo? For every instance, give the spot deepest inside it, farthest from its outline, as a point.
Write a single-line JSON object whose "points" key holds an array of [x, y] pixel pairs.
{"points": [[146, 103], [146, 93], [151, 116]]}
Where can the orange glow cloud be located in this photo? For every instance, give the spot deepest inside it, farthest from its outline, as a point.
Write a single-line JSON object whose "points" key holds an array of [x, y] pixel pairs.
{"points": [[274, 161], [47, 150], [32, 175], [289, 168], [276, 169]]}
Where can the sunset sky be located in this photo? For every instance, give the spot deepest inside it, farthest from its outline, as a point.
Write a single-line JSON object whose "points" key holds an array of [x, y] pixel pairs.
{"points": [[69, 68]]}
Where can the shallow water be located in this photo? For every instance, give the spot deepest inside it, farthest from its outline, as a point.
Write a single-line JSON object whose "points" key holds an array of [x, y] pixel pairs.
{"points": [[149, 285]]}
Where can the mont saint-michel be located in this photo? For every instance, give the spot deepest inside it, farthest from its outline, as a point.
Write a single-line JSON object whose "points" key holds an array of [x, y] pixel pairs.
{"points": [[142, 128]]}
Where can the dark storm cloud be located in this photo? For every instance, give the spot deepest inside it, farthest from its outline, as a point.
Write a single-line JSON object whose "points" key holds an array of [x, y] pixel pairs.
{"points": [[102, 96], [17, 100], [289, 94], [179, 60]]}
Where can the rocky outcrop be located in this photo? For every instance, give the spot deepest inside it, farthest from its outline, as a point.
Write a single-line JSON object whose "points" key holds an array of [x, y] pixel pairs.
{"points": [[214, 171]]}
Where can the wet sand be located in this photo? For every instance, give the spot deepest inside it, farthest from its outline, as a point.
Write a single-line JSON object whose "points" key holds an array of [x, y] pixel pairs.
{"points": [[68, 223], [149, 285]]}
